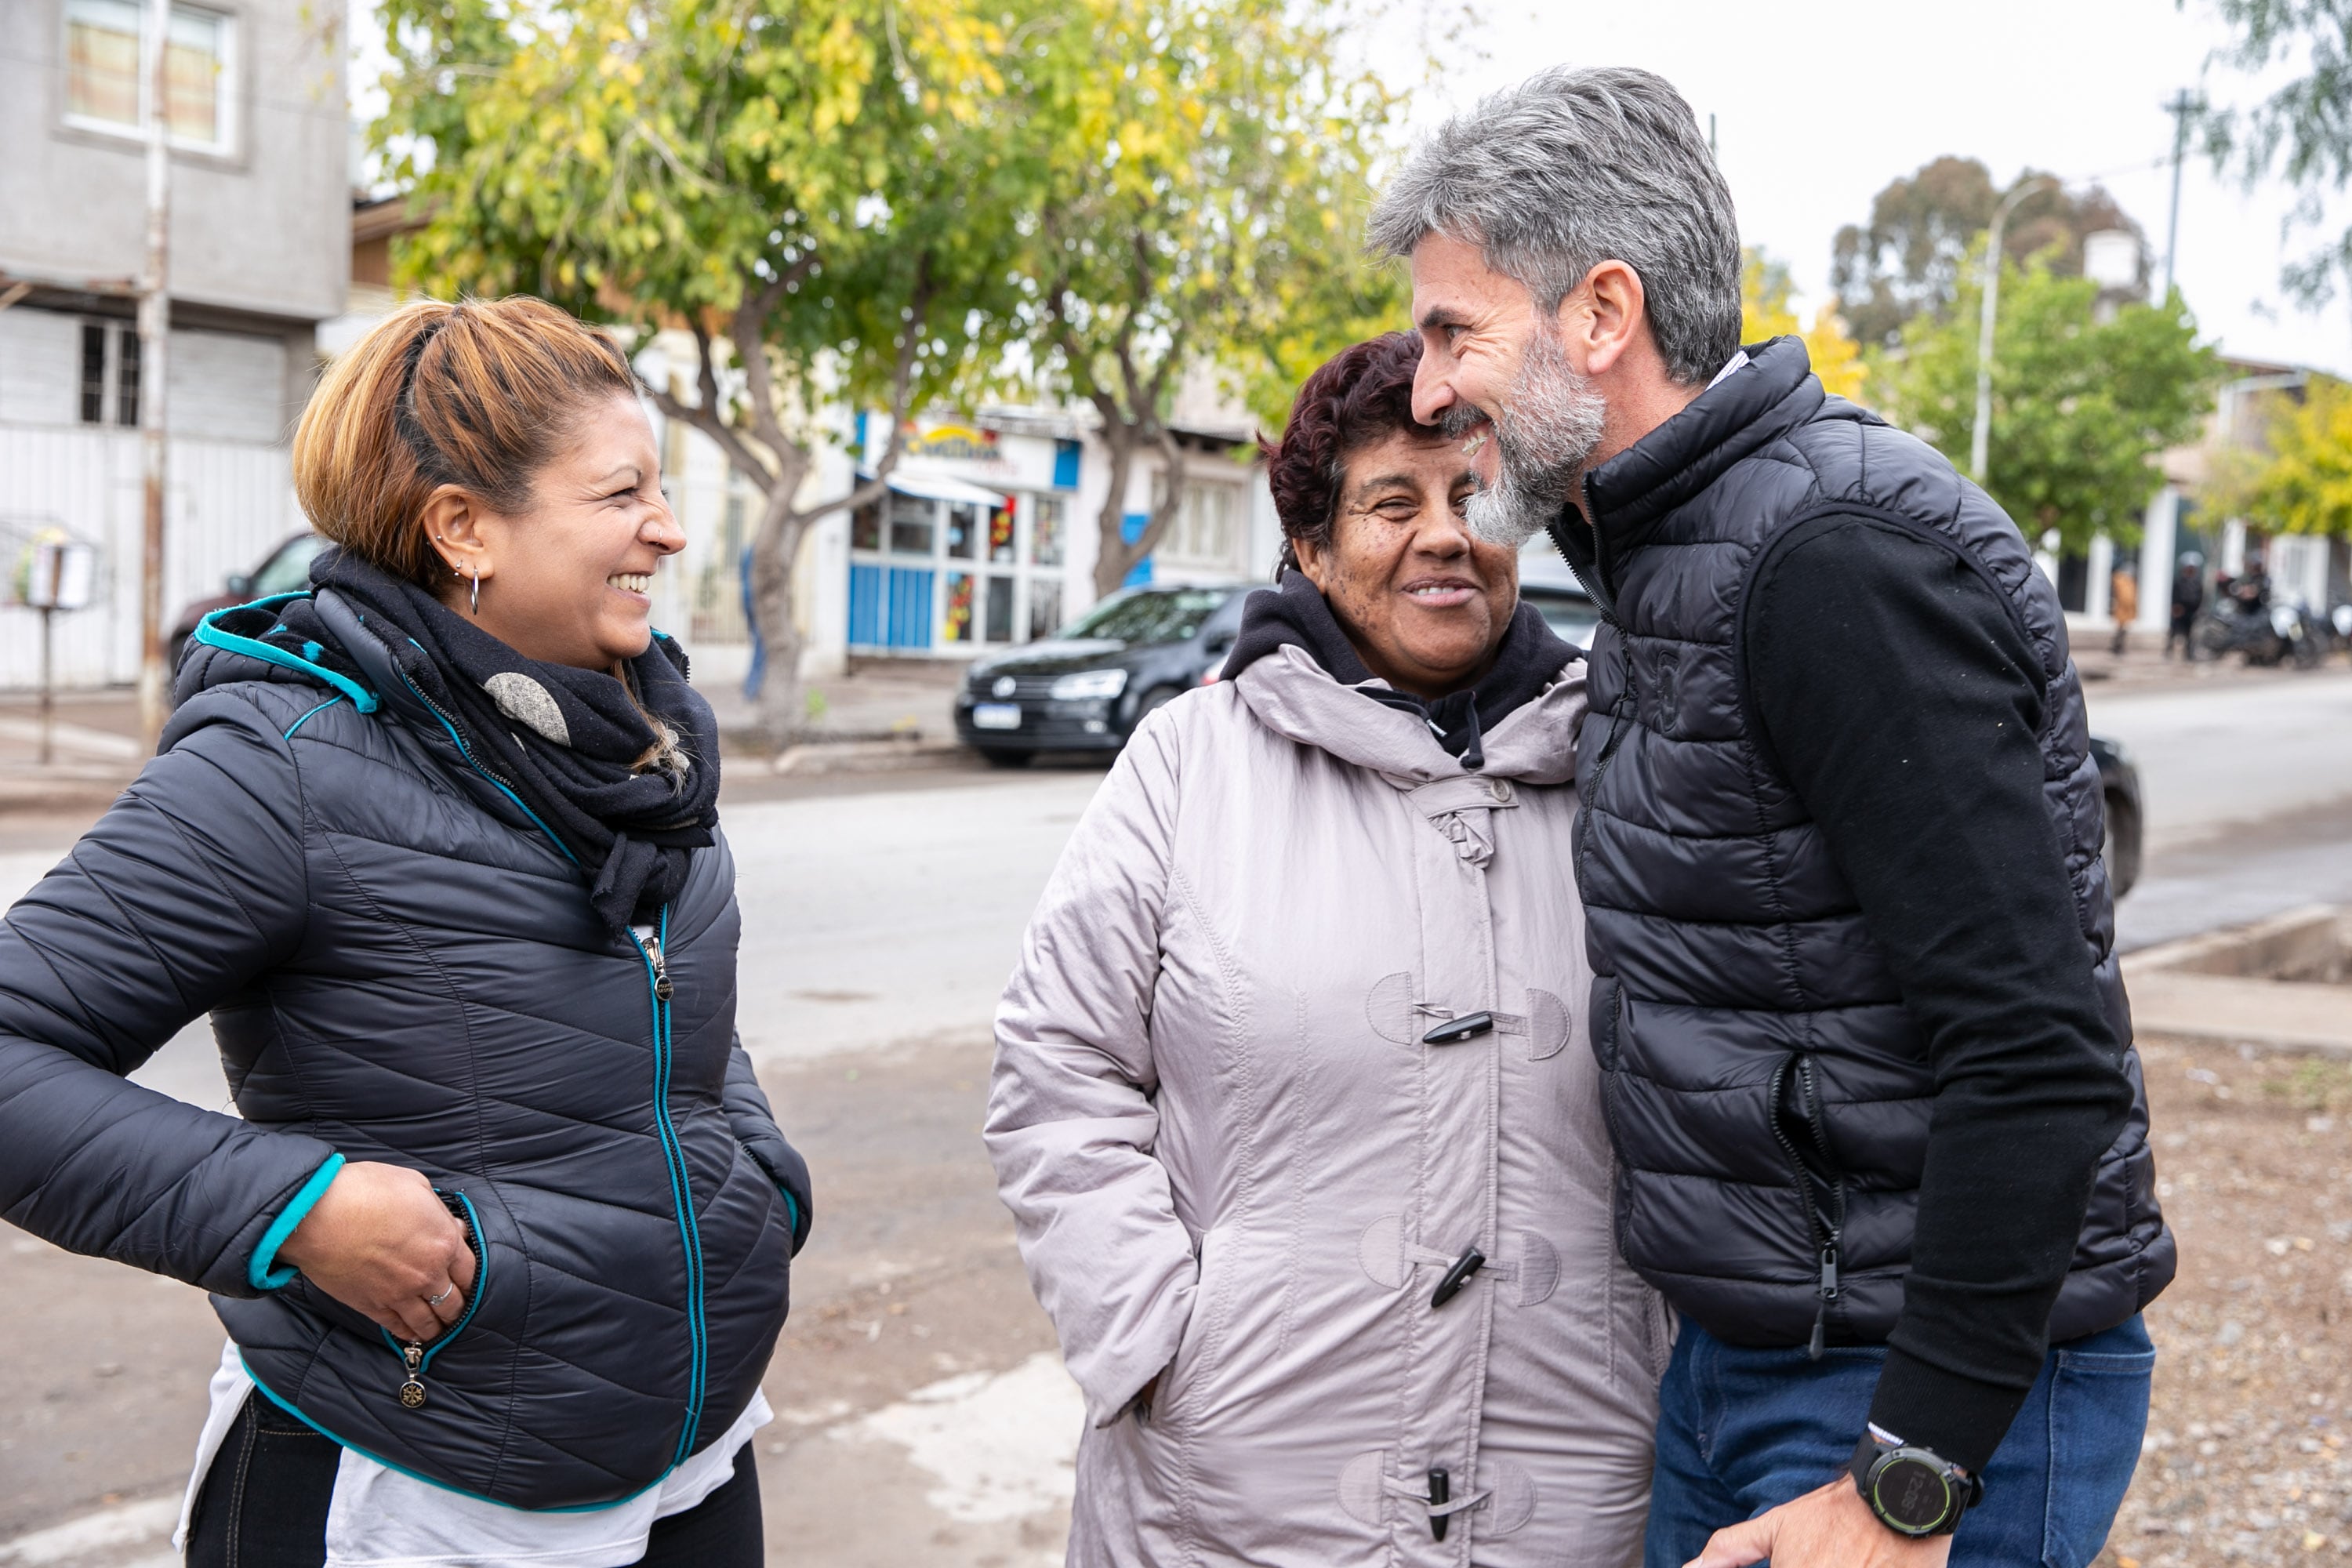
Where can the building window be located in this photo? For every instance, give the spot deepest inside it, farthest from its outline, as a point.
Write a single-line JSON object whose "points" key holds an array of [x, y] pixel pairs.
{"points": [[1207, 529], [911, 525], [110, 374], [1045, 532], [126, 376], [106, 85], [1045, 608], [975, 567]]}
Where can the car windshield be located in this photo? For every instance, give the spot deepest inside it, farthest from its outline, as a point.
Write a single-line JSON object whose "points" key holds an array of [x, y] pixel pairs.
{"points": [[1148, 615], [289, 571]]}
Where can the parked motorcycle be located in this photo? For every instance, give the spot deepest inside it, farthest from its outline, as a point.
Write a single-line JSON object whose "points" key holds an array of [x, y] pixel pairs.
{"points": [[2267, 635], [2336, 631]]}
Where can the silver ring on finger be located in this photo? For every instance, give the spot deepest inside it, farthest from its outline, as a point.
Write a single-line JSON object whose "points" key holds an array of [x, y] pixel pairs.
{"points": [[446, 1292]]}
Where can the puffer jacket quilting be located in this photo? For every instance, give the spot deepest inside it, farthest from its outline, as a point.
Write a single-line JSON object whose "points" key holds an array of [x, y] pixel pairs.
{"points": [[1732, 962], [401, 966]]}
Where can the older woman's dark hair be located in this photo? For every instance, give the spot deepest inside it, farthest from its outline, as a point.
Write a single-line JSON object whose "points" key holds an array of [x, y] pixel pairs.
{"points": [[1360, 397]]}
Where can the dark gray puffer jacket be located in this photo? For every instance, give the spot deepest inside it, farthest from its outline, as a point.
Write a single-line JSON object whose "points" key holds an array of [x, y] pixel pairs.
{"points": [[1736, 989], [401, 966]]}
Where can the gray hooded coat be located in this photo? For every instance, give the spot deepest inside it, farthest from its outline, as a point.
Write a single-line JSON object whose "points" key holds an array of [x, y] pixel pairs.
{"points": [[1235, 1165], [401, 966]]}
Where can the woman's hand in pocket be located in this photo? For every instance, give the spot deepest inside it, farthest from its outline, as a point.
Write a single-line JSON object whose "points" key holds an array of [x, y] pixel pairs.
{"points": [[379, 1241]]}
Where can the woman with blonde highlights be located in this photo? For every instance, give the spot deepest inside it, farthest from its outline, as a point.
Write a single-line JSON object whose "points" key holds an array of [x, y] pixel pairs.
{"points": [[501, 1233]]}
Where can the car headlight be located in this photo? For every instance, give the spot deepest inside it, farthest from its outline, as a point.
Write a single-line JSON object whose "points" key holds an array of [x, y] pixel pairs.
{"points": [[1088, 685]]}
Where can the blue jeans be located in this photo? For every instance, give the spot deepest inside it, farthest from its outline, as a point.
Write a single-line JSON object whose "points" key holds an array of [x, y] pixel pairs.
{"points": [[1740, 1431]]}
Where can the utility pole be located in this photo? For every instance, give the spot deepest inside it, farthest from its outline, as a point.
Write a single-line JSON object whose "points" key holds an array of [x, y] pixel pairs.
{"points": [[155, 344], [1980, 435], [2183, 106]]}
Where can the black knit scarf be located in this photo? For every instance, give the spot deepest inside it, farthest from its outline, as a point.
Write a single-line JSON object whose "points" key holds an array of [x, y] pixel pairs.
{"points": [[569, 742]]}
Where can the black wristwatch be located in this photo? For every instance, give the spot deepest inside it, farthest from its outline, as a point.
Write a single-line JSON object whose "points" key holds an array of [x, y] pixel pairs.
{"points": [[1912, 1490]]}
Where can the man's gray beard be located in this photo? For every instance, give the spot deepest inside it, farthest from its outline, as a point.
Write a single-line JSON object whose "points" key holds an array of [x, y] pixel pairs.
{"points": [[1548, 427]]}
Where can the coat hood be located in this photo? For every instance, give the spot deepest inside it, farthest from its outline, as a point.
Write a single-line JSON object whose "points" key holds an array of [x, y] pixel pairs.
{"points": [[1298, 699]]}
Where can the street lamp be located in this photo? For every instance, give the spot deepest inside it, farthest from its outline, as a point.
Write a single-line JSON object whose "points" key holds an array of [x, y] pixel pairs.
{"points": [[1980, 438]]}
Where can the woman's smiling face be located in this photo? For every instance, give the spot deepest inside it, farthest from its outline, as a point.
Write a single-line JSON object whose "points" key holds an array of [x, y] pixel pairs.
{"points": [[570, 578], [1424, 601]]}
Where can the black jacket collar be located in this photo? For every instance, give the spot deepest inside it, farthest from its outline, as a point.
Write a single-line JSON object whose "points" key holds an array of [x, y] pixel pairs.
{"points": [[1628, 495]]}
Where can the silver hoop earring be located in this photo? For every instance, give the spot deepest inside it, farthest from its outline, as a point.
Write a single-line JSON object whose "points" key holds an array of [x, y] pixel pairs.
{"points": [[474, 601]]}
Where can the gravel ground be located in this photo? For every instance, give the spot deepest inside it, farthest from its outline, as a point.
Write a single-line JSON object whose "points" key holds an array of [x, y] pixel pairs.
{"points": [[2248, 1457]]}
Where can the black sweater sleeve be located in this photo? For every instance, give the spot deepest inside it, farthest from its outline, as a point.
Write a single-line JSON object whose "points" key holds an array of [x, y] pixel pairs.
{"points": [[1902, 698]]}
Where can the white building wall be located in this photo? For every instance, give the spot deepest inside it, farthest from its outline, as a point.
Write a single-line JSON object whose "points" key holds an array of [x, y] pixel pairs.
{"points": [[226, 504], [230, 495]]}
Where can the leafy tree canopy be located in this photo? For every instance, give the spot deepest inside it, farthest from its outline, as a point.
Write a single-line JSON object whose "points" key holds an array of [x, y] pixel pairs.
{"points": [[1198, 171], [1765, 313], [2301, 129], [2081, 409], [1925, 230], [2302, 483]]}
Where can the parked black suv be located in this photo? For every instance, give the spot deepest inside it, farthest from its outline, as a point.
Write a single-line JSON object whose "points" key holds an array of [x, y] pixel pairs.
{"points": [[1087, 688]]}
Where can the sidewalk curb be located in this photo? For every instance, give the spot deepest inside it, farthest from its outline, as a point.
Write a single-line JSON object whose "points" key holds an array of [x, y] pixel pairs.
{"points": [[2213, 987], [863, 756]]}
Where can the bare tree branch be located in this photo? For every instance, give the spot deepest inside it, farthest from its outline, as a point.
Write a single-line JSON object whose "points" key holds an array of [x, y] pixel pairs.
{"points": [[751, 338], [902, 395], [710, 419]]}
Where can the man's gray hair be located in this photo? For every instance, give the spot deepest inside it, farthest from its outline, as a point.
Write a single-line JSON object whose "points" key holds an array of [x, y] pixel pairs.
{"points": [[1572, 168]]}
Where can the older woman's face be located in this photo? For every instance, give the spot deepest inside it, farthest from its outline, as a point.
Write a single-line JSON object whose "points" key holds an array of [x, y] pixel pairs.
{"points": [[1424, 601]]}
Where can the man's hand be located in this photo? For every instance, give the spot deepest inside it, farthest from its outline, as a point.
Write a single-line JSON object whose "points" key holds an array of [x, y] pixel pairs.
{"points": [[379, 1241], [1828, 1527]]}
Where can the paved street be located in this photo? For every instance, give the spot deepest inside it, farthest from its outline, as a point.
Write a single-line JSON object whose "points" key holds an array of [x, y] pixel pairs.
{"points": [[923, 1416], [2249, 798]]}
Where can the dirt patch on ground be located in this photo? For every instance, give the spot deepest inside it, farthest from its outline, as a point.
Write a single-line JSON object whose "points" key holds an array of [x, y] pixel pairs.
{"points": [[2249, 1450]]}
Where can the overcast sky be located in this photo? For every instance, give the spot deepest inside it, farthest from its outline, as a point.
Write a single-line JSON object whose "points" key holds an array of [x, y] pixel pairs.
{"points": [[1818, 103]]}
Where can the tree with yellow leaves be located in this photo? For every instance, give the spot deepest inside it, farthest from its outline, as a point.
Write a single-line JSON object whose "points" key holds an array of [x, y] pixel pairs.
{"points": [[814, 189], [2305, 486], [1197, 170], [1765, 313]]}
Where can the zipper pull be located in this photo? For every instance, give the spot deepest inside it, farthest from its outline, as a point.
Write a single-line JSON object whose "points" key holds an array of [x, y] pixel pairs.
{"points": [[662, 989], [412, 1392], [1829, 1293]]}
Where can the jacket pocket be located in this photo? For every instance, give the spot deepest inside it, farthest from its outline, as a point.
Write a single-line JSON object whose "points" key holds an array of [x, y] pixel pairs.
{"points": [[1180, 1386], [415, 1356]]}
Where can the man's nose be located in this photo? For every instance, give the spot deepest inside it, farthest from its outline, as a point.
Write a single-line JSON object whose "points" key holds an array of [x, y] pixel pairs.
{"points": [[1432, 393]]}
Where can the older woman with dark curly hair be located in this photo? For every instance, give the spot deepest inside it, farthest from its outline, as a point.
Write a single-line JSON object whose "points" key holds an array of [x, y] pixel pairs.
{"points": [[1293, 1103]]}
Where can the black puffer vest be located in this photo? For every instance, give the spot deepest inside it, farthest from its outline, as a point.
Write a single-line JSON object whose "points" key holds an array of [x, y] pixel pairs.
{"points": [[1734, 973]]}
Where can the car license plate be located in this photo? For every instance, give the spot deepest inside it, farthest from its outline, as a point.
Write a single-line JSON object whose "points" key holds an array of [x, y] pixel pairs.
{"points": [[996, 716]]}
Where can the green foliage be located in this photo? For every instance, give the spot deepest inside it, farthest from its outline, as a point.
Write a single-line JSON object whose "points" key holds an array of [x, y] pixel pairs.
{"points": [[1927, 231], [1197, 170], [2081, 408], [663, 162], [1765, 313], [2303, 483], [2301, 127]]}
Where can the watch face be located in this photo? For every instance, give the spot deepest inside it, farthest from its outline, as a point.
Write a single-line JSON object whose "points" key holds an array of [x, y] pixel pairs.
{"points": [[1910, 1495]]}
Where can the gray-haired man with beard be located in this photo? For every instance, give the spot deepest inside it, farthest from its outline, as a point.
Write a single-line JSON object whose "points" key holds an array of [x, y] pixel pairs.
{"points": [[1880, 1132]]}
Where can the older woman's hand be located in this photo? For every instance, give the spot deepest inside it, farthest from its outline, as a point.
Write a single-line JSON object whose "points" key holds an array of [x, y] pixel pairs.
{"points": [[379, 1241]]}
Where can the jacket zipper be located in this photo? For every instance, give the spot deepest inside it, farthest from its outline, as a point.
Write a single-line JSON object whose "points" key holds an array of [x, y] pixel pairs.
{"points": [[673, 1153], [652, 950], [416, 1355], [1824, 1229]]}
